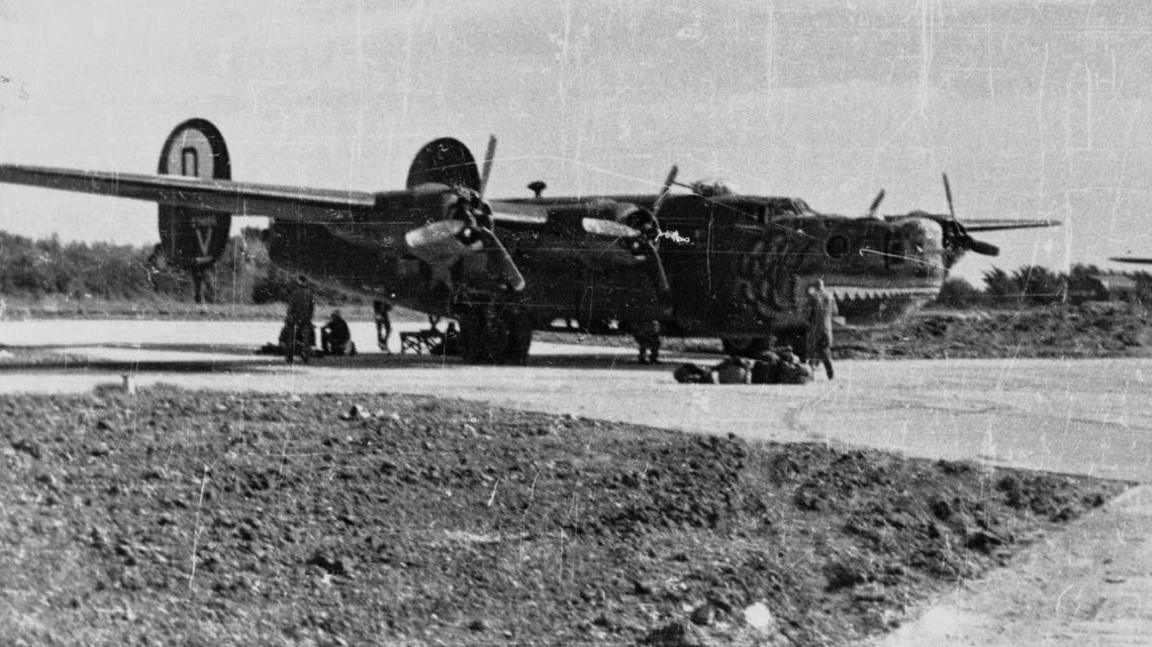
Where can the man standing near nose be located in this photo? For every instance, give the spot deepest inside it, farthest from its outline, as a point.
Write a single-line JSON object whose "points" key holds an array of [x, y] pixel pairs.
{"points": [[821, 309]]}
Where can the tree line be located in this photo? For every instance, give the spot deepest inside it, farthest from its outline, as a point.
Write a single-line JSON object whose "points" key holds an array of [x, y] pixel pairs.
{"points": [[78, 270], [1034, 285]]}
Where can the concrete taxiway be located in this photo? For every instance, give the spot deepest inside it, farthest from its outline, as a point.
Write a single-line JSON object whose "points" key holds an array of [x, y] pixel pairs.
{"points": [[1086, 417], [1089, 585]]}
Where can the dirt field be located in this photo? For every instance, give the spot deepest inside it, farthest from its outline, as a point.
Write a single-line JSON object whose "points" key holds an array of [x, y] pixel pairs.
{"points": [[190, 518], [1093, 330]]}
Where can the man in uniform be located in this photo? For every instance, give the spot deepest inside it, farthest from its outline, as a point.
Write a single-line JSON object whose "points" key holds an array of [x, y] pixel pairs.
{"points": [[766, 368], [694, 374], [380, 310], [647, 335], [821, 309], [299, 321], [450, 345], [203, 287], [734, 370], [335, 338], [791, 370]]}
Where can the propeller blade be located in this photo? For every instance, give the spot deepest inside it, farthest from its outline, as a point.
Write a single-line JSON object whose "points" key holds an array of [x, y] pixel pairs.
{"points": [[489, 155], [948, 194], [655, 268], [438, 243], [500, 262], [668, 182], [876, 204], [981, 247], [608, 228]]}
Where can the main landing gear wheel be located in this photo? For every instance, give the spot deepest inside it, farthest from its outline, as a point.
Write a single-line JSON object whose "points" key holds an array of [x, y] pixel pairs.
{"points": [[492, 334], [746, 346]]}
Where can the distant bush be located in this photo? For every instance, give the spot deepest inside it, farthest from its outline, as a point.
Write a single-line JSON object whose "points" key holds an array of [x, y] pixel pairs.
{"points": [[42, 267], [959, 293], [1039, 285]]}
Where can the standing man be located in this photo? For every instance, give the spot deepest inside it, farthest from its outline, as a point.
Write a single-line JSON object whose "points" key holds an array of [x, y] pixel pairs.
{"points": [[380, 310], [647, 335], [203, 287], [821, 309], [299, 321]]}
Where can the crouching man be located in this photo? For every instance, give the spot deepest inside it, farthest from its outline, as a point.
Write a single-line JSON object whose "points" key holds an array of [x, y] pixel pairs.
{"points": [[335, 338]]}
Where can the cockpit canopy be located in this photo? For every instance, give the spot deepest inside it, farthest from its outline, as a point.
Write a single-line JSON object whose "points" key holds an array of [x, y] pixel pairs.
{"points": [[784, 207], [712, 188]]}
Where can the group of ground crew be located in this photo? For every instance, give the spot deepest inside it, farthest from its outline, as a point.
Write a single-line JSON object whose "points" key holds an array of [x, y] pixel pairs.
{"points": [[298, 335], [779, 366]]}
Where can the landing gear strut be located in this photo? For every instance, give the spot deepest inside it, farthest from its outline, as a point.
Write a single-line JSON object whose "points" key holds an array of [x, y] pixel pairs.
{"points": [[495, 334]]}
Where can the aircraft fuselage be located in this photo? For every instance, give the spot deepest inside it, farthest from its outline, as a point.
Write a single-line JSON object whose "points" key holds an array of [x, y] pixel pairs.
{"points": [[737, 266]]}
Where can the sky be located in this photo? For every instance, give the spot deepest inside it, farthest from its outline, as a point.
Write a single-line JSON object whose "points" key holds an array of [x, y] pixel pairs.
{"points": [[1034, 109]]}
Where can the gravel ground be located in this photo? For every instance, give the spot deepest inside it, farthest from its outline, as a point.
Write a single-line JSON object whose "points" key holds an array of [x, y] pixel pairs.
{"points": [[1091, 331], [178, 517]]}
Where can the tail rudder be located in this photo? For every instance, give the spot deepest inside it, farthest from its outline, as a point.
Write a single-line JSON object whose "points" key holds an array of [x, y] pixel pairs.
{"points": [[194, 238]]}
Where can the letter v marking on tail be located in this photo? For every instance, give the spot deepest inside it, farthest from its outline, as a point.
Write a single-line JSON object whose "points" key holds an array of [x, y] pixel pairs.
{"points": [[204, 237]]}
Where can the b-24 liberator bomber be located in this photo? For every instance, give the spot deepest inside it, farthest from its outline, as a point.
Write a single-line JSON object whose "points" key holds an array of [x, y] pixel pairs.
{"points": [[704, 263]]}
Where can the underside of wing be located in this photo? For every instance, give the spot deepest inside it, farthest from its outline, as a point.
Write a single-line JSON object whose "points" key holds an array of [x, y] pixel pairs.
{"points": [[997, 224], [239, 198], [1132, 259]]}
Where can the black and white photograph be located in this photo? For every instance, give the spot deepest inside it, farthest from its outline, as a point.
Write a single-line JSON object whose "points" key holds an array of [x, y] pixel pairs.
{"points": [[576, 322]]}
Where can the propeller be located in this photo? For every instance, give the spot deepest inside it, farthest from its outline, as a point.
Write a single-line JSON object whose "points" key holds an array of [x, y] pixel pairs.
{"points": [[958, 236], [465, 235], [629, 246], [444, 242], [876, 204]]}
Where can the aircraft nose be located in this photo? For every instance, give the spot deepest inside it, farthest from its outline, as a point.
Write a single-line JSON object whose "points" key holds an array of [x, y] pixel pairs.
{"points": [[924, 242]]}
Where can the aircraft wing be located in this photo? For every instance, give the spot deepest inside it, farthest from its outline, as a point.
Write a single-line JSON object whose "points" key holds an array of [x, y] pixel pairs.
{"points": [[239, 198], [996, 224], [1133, 260], [593, 231]]}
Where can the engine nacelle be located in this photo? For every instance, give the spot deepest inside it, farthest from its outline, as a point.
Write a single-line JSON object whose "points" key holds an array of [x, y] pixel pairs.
{"points": [[193, 239]]}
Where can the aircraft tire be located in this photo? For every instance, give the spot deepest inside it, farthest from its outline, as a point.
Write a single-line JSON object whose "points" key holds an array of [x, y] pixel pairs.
{"points": [[745, 346], [491, 334]]}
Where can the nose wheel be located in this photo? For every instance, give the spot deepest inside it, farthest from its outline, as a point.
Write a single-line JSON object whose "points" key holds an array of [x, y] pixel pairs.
{"points": [[495, 334]]}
